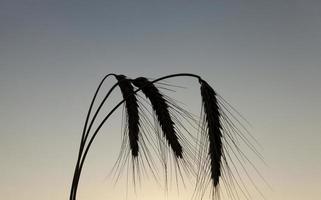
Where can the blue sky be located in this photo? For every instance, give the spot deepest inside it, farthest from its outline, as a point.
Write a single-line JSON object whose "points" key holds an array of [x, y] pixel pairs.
{"points": [[263, 56]]}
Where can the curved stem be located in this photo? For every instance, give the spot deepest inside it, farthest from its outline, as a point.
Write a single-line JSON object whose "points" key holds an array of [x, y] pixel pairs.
{"points": [[77, 174], [84, 134], [111, 112]]}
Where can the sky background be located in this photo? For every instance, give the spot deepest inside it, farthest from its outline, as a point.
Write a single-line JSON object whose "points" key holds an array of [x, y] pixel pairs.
{"points": [[262, 56]]}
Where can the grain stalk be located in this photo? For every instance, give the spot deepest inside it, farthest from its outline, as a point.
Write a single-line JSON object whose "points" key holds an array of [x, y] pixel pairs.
{"points": [[213, 126]]}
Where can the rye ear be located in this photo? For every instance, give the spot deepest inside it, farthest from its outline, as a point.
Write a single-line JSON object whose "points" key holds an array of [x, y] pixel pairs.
{"points": [[214, 129], [160, 107], [132, 113]]}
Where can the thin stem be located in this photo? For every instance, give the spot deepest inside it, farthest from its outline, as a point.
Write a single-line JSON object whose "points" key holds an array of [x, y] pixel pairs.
{"points": [[110, 113], [77, 173], [84, 134]]}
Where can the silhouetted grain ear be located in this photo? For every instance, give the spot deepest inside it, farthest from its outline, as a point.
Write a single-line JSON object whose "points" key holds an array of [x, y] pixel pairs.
{"points": [[160, 108], [214, 129], [131, 104]]}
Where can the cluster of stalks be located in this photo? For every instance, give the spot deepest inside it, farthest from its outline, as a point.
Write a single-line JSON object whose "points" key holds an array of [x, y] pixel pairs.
{"points": [[206, 159]]}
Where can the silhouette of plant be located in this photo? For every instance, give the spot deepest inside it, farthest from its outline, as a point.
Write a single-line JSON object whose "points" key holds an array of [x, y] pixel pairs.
{"points": [[208, 156]]}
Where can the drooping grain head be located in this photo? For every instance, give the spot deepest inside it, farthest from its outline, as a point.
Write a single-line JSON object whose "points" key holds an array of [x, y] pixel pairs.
{"points": [[131, 105], [160, 108], [214, 129]]}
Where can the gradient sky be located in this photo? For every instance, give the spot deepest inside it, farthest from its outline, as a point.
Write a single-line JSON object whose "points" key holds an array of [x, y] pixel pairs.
{"points": [[264, 57]]}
